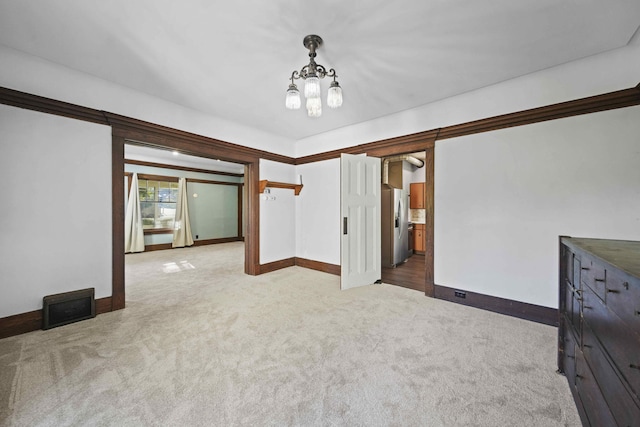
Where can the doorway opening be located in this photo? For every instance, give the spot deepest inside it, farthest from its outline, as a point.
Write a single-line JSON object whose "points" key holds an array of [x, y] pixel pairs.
{"points": [[207, 179], [215, 198], [404, 220]]}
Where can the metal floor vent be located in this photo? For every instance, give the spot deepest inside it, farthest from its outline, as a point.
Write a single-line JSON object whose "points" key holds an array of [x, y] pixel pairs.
{"points": [[68, 307]]}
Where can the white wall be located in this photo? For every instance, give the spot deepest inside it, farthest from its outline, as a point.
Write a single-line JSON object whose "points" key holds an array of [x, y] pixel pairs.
{"points": [[607, 72], [31, 74], [503, 198], [277, 213], [56, 221], [214, 213], [418, 175], [318, 212]]}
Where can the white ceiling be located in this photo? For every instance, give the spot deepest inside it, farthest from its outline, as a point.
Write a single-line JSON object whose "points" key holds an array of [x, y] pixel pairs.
{"points": [[233, 59]]}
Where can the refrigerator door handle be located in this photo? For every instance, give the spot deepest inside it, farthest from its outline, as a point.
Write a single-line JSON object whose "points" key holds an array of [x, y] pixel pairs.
{"points": [[344, 225]]}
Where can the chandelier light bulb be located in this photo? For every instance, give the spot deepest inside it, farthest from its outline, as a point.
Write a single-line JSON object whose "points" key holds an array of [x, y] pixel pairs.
{"points": [[334, 96], [312, 87], [292, 102], [314, 107]]}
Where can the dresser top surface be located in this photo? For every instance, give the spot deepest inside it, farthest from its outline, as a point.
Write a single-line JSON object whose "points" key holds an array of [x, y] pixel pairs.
{"points": [[623, 254]]}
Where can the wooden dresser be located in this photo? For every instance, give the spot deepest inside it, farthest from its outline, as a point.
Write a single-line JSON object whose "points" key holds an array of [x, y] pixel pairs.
{"points": [[599, 334]]}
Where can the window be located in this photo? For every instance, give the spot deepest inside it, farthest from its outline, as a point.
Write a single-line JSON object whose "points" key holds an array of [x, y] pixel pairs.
{"points": [[157, 203]]}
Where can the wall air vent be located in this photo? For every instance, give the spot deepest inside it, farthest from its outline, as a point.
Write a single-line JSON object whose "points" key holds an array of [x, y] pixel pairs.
{"points": [[68, 307]]}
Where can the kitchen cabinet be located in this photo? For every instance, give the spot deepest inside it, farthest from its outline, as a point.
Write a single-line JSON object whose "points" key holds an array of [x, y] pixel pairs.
{"points": [[598, 337], [416, 190], [418, 238], [411, 240]]}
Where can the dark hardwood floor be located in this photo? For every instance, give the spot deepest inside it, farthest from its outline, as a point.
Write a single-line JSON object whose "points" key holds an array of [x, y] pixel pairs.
{"points": [[408, 275]]}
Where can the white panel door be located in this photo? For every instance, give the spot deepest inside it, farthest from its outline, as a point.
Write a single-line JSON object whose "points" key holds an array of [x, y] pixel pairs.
{"points": [[360, 208]]}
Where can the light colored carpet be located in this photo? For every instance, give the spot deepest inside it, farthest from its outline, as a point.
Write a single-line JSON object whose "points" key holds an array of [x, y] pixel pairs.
{"points": [[200, 343]]}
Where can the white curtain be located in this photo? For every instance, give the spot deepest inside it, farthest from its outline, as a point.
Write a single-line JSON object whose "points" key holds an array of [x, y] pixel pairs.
{"points": [[133, 234], [182, 228]]}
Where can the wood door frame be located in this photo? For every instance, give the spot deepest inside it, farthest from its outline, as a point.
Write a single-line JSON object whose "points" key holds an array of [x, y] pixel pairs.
{"points": [[423, 141], [429, 226], [147, 135]]}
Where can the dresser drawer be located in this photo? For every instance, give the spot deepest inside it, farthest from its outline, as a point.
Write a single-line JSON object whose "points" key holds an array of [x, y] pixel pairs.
{"points": [[619, 341], [593, 401], [569, 356], [623, 407], [623, 298], [593, 274], [572, 307], [567, 262]]}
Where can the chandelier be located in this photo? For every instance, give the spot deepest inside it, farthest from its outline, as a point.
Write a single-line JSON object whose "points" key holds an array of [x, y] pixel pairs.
{"points": [[311, 74]]}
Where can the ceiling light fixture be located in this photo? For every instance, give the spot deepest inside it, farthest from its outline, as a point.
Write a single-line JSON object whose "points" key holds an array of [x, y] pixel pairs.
{"points": [[311, 74]]}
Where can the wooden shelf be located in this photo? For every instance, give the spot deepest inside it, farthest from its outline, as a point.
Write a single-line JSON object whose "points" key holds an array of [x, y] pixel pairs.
{"points": [[272, 184]]}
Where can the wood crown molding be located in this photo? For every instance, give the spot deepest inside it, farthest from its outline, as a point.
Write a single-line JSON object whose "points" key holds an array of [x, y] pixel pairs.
{"points": [[207, 181], [132, 129], [47, 105], [386, 147], [421, 140], [181, 168], [149, 134], [145, 133], [592, 104]]}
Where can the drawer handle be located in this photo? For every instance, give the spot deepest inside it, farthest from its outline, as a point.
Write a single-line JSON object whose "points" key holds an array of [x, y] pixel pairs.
{"points": [[571, 357], [599, 280], [587, 345], [632, 366], [626, 285], [637, 313], [587, 306], [613, 291], [585, 268]]}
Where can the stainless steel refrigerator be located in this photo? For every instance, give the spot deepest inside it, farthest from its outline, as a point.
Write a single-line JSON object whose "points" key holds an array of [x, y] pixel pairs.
{"points": [[395, 226]]}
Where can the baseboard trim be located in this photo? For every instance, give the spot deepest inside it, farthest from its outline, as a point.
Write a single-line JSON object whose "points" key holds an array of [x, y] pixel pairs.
{"points": [[32, 320], [317, 265], [163, 246], [276, 265], [158, 247], [300, 262], [521, 310], [217, 241], [20, 323], [104, 305]]}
